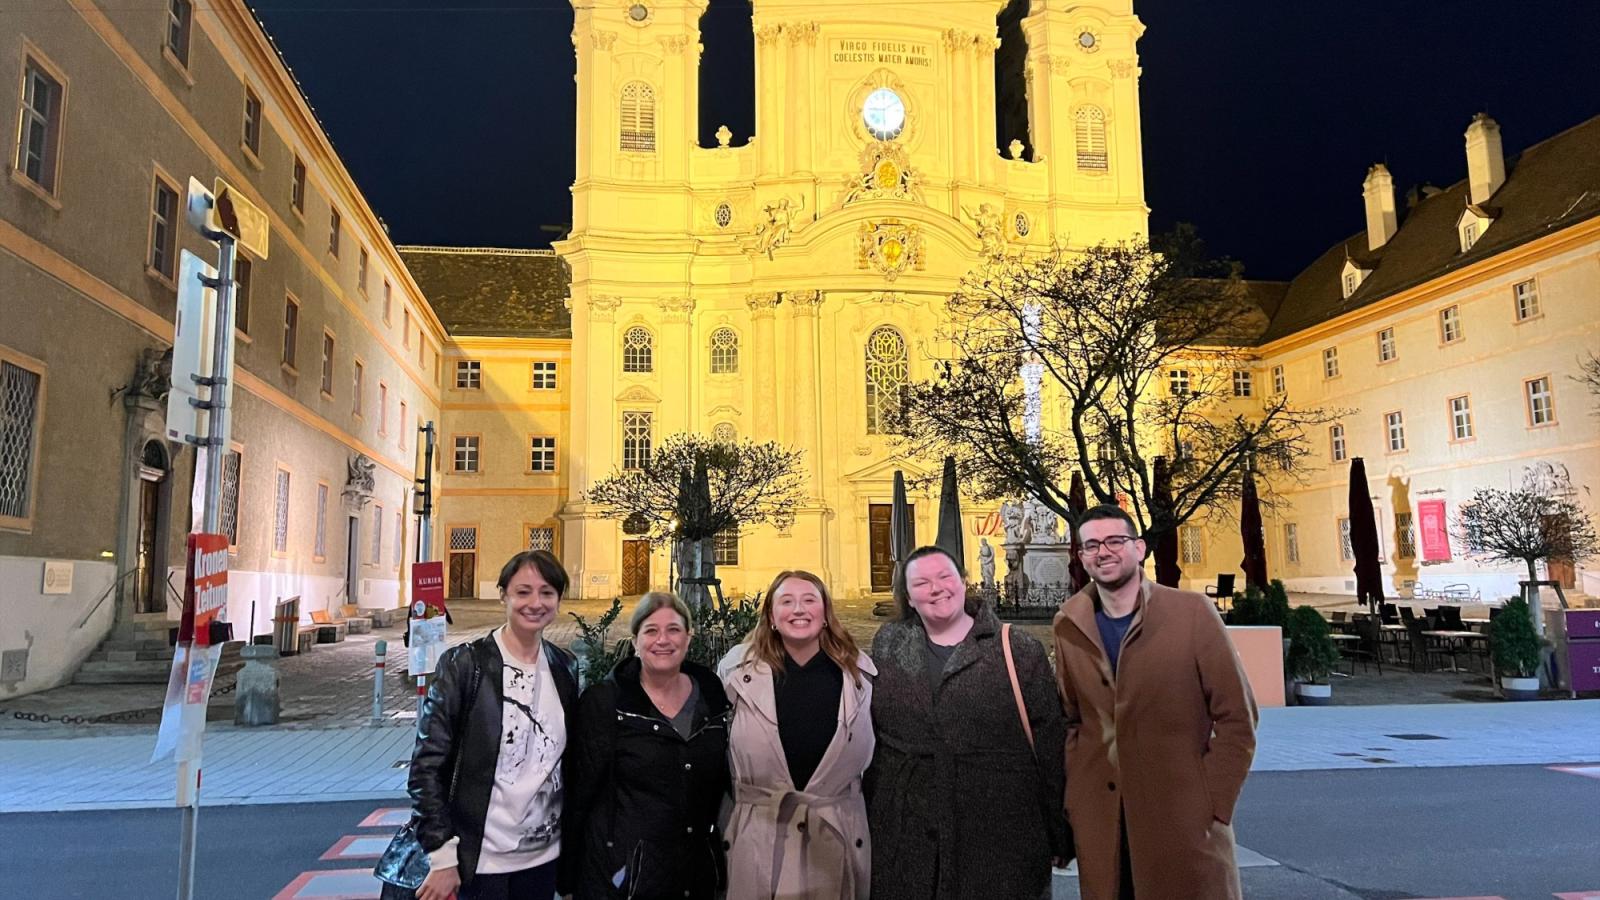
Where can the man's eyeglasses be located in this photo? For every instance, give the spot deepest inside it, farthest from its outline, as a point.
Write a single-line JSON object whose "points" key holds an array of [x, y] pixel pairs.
{"points": [[1115, 543]]}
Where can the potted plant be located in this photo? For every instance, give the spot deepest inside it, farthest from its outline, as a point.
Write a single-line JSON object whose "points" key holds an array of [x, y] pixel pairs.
{"points": [[1312, 655], [1516, 651]]}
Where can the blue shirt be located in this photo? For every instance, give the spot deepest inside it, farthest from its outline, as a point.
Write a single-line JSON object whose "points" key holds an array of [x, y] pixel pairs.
{"points": [[1112, 631]]}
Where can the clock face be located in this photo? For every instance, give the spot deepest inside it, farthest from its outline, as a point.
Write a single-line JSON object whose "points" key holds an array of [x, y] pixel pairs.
{"points": [[884, 114]]}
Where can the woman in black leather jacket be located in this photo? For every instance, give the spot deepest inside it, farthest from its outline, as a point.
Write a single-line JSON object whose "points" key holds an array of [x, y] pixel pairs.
{"points": [[489, 771], [650, 769]]}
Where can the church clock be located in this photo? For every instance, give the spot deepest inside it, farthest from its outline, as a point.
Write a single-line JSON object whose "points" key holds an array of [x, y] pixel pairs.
{"points": [[884, 114]]}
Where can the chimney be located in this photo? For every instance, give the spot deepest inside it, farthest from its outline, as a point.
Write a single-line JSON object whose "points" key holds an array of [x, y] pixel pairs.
{"points": [[1486, 162], [1377, 191]]}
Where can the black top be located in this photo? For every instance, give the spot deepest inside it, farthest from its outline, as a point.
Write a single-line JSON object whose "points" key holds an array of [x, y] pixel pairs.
{"points": [[808, 699], [1112, 630], [938, 655]]}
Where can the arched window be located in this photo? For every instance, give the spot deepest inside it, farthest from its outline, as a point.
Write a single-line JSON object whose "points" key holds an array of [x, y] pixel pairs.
{"points": [[1091, 134], [638, 117], [637, 349], [724, 351], [887, 371], [724, 433]]}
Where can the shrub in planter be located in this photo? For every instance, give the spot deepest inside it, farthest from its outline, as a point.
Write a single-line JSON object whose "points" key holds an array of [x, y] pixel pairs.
{"points": [[1516, 650], [1255, 607], [1312, 654]]}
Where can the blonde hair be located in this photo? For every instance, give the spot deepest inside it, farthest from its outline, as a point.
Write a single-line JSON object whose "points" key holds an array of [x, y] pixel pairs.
{"points": [[653, 602], [766, 644]]}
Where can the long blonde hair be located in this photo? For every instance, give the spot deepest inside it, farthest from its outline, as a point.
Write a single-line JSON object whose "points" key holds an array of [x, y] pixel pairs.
{"points": [[766, 644]]}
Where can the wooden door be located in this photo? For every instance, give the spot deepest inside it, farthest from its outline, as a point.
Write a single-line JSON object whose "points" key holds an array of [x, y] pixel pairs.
{"points": [[1560, 571], [880, 531], [149, 584], [635, 567], [462, 580]]}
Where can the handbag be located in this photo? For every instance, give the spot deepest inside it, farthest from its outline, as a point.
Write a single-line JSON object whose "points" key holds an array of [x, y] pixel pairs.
{"points": [[1027, 728], [404, 864]]}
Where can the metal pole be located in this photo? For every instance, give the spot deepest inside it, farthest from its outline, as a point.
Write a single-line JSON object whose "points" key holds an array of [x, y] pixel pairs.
{"points": [[221, 373], [380, 650]]}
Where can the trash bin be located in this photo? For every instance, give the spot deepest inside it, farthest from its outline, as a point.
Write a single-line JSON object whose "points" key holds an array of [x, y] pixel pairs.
{"points": [[1583, 648], [286, 626]]}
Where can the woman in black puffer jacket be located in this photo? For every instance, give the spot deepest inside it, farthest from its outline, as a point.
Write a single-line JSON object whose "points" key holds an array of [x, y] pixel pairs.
{"points": [[650, 770]]}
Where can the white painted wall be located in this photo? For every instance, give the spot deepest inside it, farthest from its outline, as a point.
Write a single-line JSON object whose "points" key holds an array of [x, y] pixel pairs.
{"points": [[46, 624]]}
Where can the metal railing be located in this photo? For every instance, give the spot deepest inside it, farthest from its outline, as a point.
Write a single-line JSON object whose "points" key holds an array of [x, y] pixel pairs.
{"points": [[95, 607]]}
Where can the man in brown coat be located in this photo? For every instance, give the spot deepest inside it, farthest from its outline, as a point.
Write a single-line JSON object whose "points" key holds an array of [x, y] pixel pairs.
{"points": [[1160, 727]]}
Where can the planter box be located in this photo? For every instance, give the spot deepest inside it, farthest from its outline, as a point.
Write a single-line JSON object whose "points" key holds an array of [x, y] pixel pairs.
{"points": [[1260, 649], [1520, 688]]}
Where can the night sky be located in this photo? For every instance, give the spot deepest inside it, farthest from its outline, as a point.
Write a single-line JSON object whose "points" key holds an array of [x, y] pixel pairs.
{"points": [[1260, 117]]}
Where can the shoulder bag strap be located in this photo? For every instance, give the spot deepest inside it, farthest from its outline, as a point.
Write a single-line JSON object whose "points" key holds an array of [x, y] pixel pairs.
{"points": [[1016, 688]]}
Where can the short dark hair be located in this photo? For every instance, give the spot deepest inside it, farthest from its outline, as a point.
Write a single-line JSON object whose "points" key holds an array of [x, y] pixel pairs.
{"points": [[545, 562], [1107, 511], [902, 595]]}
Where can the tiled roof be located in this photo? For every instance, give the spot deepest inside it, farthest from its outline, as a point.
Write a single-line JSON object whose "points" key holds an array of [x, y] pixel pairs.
{"points": [[490, 292], [1550, 185]]}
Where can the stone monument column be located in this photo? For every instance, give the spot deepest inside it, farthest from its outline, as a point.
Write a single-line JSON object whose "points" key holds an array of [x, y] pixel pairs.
{"points": [[762, 356]]}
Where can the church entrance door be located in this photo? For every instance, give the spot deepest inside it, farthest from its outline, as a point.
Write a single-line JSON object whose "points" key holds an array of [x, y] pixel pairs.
{"points": [[879, 518], [635, 567]]}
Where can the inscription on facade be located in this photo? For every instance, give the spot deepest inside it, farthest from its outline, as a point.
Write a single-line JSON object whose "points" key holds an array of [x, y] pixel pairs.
{"points": [[880, 52]]}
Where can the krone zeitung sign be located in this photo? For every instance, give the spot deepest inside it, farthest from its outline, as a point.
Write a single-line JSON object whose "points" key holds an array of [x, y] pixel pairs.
{"points": [[880, 52]]}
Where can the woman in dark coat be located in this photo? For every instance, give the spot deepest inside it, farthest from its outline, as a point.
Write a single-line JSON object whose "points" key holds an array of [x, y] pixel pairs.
{"points": [[960, 806], [651, 769]]}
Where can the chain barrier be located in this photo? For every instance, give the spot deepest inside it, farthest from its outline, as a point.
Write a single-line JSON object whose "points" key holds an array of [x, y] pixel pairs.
{"points": [[127, 715]]}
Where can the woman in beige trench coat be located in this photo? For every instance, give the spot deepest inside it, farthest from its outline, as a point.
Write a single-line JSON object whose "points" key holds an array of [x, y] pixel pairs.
{"points": [[800, 740]]}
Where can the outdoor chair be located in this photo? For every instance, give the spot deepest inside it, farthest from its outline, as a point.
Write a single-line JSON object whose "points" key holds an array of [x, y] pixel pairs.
{"points": [[1422, 650], [1407, 615], [1390, 616], [1222, 590], [1370, 647], [1450, 618]]}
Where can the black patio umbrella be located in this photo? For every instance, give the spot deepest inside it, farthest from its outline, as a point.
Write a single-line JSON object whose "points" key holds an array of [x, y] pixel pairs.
{"points": [[950, 537], [902, 530], [1077, 504], [1254, 563], [1166, 548], [1364, 538]]}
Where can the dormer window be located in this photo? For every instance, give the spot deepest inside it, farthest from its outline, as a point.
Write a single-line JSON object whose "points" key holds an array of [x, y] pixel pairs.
{"points": [[1351, 277], [1474, 221], [1351, 281], [1469, 236]]}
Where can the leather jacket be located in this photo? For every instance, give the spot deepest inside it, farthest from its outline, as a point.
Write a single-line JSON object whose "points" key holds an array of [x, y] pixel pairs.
{"points": [[458, 744]]}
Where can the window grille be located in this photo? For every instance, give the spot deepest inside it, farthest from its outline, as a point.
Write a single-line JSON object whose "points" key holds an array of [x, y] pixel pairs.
{"points": [[320, 548], [636, 435], [1346, 550], [1405, 536], [725, 548], [887, 372], [280, 514], [637, 350], [19, 414], [464, 539], [1192, 542], [542, 539], [724, 351]]}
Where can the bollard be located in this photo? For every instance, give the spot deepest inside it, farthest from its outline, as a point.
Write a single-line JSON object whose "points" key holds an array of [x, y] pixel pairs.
{"points": [[256, 701], [377, 682]]}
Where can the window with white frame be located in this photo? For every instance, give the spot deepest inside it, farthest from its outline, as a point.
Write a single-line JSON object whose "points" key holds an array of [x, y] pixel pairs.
{"points": [[1278, 382], [638, 128], [180, 19], [319, 548], [1090, 137], [1291, 542], [1541, 404], [544, 375], [887, 370], [541, 538], [1352, 280], [542, 454], [335, 226], [39, 137], [1346, 550], [1191, 543], [636, 439], [724, 351], [297, 185], [1386, 348], [376, 555], [725, 548], [1405, 536], [1178, 382], [1395, 426], [466, 453], [469, 374], [1450, 324], [251, 135], [164, 229], [638, 347], [1527, 297], [280, 513], [1461, 417], [1336, 448], [1330, 362], [1469, 236], [1243, 383], [20, 394]]}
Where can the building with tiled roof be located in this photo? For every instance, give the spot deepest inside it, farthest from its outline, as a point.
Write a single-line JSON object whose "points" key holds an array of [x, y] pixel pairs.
{"points": [[494, 292]]}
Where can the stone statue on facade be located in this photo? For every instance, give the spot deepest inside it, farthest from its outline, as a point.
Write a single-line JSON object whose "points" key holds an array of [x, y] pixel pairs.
{"points": [[360, 480], [1044, 523], [985, 563], [152, 375], [1011, 518], [991, 237], [774, 232]]}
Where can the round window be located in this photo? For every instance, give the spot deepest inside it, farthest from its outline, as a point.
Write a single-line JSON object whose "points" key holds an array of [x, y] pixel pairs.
{"points": [[638, 12], [1087, 40], [1021, 224], [884, 114], [723, 215]]}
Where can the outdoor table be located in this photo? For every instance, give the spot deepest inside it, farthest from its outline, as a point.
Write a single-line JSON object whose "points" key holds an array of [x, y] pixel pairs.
{"points": [[1454, 638]]}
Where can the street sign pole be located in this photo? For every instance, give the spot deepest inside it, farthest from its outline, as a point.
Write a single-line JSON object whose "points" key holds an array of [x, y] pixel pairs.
{"points": [[424, 509]]}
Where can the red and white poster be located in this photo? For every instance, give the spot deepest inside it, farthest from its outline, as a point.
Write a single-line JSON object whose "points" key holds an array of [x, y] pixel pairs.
{"points": [[205, 587], [1435, 529], [427, 617]]}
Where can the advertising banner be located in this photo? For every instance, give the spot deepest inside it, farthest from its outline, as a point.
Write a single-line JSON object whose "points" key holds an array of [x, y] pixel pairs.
{"points": [[427, 617], [1435, 529]]}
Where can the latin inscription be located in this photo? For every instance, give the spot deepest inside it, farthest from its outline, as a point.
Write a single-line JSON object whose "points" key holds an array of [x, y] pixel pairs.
{"points": [[876, 52]]}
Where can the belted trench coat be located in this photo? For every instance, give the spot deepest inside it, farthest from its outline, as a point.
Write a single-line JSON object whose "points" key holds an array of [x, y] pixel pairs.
{"points": [[788, 844]]}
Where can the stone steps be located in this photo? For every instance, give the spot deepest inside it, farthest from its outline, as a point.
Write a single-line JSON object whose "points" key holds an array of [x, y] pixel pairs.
{"points": [[147, 665]]}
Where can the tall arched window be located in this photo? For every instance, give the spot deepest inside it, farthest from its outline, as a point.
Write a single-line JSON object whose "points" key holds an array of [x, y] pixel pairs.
{"points": [[887, 372], [1091, 134], [638, 117], [637, 350], [724, 351]]}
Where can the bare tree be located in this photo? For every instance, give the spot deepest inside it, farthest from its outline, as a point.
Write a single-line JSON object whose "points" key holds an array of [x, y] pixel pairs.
{"points": [[1590, 377], [1526, 525], [1135, 349], [750, 484]]}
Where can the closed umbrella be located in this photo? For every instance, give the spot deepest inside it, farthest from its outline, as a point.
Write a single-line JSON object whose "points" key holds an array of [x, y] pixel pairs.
{"points": [[1364, 538], [1077, 504], [1161, 519], [950, 538], [902, 531], [701, 511], [1254, 563]]}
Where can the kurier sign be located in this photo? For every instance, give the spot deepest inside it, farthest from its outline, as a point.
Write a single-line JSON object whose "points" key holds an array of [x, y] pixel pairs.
{"points": [[205, 586], [427, 617]]}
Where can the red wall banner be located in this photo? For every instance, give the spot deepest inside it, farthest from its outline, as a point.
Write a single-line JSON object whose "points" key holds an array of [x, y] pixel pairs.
{"points": [[1435, 529]]}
